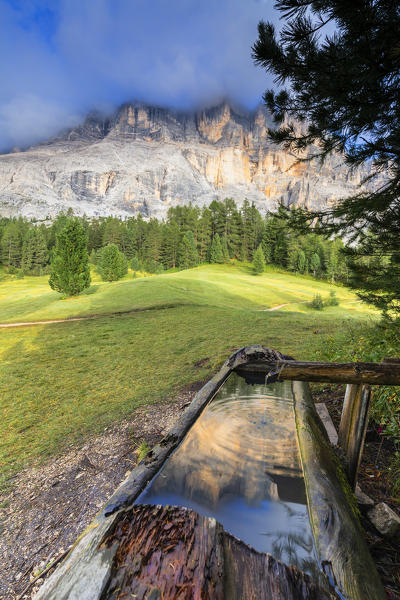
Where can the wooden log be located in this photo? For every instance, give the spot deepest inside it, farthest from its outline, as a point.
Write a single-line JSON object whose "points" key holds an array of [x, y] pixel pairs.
{"points": [[165, 553], [372, 373], [251, 575], [333, 508], [277, 366], [173, 553], [357, 431], [352, 390], [85, 571], [353, 427]]}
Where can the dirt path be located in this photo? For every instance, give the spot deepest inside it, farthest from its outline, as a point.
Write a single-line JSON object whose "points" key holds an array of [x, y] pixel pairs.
{"points": [[126, 312], [86, 318], [23, 324], [276, 307]]}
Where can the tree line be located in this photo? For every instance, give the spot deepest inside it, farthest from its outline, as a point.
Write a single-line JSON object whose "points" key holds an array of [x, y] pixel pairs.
{"points": [[189, 236]]}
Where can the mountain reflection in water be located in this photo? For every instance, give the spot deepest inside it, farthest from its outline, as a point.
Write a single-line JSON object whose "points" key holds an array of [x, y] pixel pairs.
{"points": [[240, 464]]}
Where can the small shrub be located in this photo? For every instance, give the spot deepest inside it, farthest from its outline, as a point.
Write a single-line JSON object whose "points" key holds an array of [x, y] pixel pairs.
{"points": [[12, 270], [316, 303], [142, 451], [332, 300], [20, 274]]}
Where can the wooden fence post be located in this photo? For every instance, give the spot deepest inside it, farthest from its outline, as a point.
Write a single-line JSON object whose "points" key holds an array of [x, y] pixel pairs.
{"points": [[353, 427], [352, 389]]}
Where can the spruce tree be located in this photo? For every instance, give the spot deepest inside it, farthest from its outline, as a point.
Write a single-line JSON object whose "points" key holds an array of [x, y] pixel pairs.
{"points": [[342, 85], [11, 246], [216, 255], [187, 252], [34, 251], [170, 243], [258, 261], [225, 251], [112, 264], [70, 273], [315, 264]]}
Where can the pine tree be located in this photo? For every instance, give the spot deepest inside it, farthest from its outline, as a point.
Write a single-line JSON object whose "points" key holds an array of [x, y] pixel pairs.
{"points": [[216, 255], [170, 242], [258, 261], [113, 264], [225, 251], [275, 240], [204, 234], [315, 264], [135, 265], [301, 261], [11, 246], [34, 251], [187, 252], [343, 86], [70, 273], [112, 232]]}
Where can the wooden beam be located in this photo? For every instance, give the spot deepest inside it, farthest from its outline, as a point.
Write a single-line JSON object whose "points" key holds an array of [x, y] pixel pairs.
{"points": [[357, 431], [372, 373], [338, 535]]}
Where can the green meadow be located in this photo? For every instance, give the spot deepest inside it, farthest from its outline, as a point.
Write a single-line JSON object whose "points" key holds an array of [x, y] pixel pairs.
{"points": [[153, 335]]}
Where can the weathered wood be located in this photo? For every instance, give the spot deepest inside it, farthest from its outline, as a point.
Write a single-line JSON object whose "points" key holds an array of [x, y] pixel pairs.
{"points": [[353, 427], [174, 553], [333, 508], [165, 553], [352, 391], [390, 359], [372, 373], [386, 373], [251, 575], [85, 571], [327, 422], [357, 431]]}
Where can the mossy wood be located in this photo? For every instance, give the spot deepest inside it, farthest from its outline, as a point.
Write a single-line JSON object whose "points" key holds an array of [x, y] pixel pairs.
{"points": [[90, 567], [353, 427], [385, 373], [332, 507]]}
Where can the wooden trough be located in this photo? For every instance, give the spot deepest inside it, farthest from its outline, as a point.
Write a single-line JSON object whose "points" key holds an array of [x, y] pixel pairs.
{"points": [[161, 552]]}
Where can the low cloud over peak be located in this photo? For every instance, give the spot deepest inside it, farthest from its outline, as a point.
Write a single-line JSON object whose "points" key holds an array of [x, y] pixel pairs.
{"points": [[62, 59]]}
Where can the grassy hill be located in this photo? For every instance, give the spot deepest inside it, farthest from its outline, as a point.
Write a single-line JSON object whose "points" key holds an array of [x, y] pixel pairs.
{"points": [[62, 382]]}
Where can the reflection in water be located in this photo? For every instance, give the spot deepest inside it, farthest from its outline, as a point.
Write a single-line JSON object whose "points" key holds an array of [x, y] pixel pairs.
{"points": [[240, 464]]}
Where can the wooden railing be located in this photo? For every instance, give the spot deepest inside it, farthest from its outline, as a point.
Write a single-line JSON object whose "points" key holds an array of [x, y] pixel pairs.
{"points": [[358, 377]]}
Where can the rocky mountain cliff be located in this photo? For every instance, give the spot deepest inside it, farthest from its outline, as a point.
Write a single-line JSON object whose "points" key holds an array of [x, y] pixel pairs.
{"points": [[146, 159]]}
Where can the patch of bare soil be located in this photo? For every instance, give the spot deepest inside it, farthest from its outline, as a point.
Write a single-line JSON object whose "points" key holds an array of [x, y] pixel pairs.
{"points": [[51, 504], [374, 481]]}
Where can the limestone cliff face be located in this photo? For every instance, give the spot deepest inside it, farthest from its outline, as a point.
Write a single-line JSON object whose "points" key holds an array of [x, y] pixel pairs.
{"points": [[146, 159]]}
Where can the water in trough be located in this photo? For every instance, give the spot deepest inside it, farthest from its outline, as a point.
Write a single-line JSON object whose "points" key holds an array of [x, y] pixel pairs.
{"points": [[240, 464]]}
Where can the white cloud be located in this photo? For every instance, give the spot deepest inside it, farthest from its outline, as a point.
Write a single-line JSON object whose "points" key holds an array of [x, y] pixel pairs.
{"points": [[178, 52]]}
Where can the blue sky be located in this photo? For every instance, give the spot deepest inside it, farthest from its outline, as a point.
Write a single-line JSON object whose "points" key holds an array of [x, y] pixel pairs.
{"points": [[62, 58]]}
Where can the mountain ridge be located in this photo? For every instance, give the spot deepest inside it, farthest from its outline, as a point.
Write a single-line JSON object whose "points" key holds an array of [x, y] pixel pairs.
{"points": [[145, 158]]}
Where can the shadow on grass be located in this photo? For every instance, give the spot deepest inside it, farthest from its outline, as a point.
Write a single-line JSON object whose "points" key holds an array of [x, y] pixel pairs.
{"points": [[90, 290]]}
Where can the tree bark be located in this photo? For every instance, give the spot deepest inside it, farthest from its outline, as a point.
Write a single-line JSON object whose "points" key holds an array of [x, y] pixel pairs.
{"points": [[173, 553]]}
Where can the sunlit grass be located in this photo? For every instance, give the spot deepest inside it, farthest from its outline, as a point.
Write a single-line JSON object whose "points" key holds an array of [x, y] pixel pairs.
{"points": [[63, 382]]}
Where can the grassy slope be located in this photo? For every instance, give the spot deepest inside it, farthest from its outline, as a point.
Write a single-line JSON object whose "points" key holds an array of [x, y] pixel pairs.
{"points": [[31, 299], [61, 382]]}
